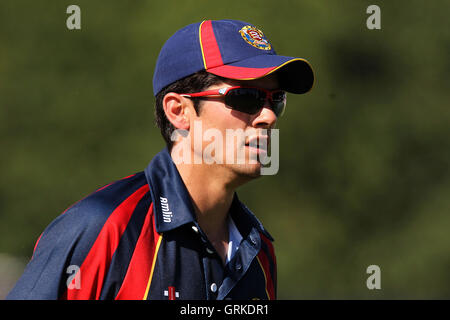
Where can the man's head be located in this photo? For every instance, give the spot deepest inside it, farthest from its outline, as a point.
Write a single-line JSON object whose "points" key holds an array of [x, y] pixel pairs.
{"points": [[221, 57], [230, 49]]}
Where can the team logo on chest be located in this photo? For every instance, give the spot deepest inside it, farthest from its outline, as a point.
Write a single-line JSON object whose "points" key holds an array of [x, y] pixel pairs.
{"points": [[255, 37]]}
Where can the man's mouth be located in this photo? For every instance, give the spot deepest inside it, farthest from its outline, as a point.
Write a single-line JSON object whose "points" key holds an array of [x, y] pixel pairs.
{"points": [[258, 144]]}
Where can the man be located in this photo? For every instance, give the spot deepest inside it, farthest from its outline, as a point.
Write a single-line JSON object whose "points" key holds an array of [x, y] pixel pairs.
{"points": [[178, 230]]}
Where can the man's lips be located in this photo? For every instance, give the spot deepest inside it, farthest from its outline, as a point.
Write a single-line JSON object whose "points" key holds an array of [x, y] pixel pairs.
{"points": [[258, 142]]}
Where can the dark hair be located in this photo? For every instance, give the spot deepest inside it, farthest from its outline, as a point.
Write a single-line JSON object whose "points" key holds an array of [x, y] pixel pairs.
{"points": [[194, 83]]}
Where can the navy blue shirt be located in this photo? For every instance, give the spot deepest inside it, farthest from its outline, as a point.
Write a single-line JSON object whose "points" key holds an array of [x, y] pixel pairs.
{"points": [[138, 238]]}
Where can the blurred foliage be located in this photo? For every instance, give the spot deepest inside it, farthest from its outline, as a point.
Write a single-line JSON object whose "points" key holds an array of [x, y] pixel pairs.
{"points": [[363, 177]]}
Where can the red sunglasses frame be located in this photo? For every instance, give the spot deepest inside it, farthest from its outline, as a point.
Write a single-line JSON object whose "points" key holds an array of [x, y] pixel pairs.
{"points": [[222, 92], [225, 90]]}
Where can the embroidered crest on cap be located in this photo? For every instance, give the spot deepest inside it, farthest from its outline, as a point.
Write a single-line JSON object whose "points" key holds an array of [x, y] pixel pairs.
{"points": [[255, 37]]}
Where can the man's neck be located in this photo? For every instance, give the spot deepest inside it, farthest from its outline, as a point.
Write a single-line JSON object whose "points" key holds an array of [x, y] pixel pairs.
{"points": [[211, 196]]}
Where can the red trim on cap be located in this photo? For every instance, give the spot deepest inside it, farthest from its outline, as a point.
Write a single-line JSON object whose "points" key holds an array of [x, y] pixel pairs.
{"points": [[241, 73], [208, 43]]}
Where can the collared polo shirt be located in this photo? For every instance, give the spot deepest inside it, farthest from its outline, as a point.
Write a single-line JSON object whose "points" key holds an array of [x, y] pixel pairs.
{"points": [[138, 238]]}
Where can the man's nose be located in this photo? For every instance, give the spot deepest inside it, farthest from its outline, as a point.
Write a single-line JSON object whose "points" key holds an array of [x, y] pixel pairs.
{"points": [[265, 118]]}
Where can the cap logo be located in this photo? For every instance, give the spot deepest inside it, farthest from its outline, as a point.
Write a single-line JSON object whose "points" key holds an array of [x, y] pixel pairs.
{"points": [[255, 37]]}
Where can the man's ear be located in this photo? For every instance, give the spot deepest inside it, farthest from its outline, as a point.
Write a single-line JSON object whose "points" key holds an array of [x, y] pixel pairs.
{"points": [[177, 110]]}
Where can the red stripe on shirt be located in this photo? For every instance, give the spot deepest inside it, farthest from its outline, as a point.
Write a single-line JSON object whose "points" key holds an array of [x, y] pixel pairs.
{"points": [[94, 268], [35, 246], [37, 242], [265, 264], [270, 246], [135, 282]]}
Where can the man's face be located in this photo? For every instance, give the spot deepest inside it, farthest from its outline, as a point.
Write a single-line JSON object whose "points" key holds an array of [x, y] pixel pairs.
{"points": [[215, 117]]}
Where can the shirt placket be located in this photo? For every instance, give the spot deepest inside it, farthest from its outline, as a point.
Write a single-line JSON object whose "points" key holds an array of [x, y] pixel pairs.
{"points": [[212, 265], [239, 265]]}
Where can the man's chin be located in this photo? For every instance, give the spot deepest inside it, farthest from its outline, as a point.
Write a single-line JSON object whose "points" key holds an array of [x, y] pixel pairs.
{"points": [[248, 171]]}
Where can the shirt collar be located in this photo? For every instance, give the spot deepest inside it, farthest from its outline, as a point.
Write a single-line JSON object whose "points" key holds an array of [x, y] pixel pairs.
{"points": [[172, 204], [171, 201]]}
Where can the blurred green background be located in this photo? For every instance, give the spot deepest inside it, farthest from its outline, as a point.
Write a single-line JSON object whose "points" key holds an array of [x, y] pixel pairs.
{"points": [[364, 165]]}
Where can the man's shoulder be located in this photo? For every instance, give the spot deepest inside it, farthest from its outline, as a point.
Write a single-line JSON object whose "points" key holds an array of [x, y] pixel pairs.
{"points": [[118, 195], [107, 211], [87, 235], [109, 206], [257, 223]]}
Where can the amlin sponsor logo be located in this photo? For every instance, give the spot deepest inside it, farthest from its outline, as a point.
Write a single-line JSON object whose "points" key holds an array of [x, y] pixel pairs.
{"points": [[167, 214]]}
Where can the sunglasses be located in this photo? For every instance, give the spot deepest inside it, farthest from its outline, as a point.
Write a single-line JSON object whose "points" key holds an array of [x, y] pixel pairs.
{"points": [[249, 100]]}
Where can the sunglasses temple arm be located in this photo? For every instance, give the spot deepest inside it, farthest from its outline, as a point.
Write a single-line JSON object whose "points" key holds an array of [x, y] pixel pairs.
{"points": [[202, 94]]}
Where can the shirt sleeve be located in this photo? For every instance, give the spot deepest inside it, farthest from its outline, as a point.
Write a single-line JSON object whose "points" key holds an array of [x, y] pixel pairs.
{"points": [[58, 255], [72, 257]]}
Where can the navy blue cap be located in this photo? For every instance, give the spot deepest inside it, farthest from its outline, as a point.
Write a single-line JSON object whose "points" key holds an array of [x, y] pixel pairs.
{"points": [[231, 49]]}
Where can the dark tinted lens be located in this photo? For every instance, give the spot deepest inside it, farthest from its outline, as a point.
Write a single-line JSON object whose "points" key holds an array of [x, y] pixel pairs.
{"points": [[279, 96], [278, 107], [278, 102], [248, 100]]}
